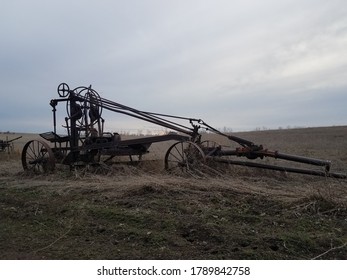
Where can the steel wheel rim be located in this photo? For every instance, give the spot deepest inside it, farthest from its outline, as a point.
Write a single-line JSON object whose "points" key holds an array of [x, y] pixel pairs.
{"points": [[184, 157], [37, 157]]}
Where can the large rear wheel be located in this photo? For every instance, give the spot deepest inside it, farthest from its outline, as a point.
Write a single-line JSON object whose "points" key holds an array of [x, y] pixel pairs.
{"points": [[38, 157]]}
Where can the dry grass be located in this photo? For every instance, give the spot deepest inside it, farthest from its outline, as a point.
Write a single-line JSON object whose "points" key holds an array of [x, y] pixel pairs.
{"points": [[127, 212]]}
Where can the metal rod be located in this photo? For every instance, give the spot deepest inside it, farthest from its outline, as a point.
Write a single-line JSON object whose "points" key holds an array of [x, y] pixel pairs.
{"points": [[301, 159], [241, 141], [150, 120], [253, 154], [280, 168], [119, 108]]}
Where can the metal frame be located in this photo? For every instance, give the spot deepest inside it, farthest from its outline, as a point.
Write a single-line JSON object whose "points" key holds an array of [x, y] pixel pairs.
{"points": [[8, 144], [86, 140]]}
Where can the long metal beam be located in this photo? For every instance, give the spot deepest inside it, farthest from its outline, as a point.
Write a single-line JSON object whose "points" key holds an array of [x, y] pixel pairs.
{"points": [[279, 168]]}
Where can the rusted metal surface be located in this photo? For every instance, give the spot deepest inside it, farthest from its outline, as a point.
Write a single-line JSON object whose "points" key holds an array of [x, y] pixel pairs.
{"points": [[37, 156], [86, 142], [8, 145]]}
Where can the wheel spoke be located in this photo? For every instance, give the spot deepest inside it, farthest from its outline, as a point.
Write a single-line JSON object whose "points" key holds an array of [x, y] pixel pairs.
{"points": [[178, 159], [38, 157], [33, 151], [184, 156], [178, 151]]}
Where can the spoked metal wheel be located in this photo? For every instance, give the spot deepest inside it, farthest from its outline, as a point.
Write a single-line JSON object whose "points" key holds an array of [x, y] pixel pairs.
{"points": [[184, 156], [38, 157]]}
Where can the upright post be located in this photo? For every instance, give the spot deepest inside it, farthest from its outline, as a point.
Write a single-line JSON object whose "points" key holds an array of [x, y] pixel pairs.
{"points": [[73, 128], [54, 103]]}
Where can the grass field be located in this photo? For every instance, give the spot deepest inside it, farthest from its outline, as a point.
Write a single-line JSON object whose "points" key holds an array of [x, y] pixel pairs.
{"points": [[127, 212]]}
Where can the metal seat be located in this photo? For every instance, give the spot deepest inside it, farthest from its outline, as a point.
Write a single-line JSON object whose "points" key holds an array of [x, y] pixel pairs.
{"points": [[53, 137]]}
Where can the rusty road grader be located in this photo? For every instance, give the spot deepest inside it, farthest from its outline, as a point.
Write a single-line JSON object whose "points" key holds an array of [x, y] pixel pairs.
{"points": [[8, 145], [86, 142]]}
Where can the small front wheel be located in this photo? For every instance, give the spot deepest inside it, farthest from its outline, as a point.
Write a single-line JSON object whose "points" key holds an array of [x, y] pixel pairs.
{"points": [[38, 157]]}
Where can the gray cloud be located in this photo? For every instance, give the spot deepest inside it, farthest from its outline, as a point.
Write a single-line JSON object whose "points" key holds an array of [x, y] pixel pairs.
{"points": [[238, 64]]}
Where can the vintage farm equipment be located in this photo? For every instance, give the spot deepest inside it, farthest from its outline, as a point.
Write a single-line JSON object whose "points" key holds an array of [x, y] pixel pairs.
{"points": [[8, 145], [86, 142]]}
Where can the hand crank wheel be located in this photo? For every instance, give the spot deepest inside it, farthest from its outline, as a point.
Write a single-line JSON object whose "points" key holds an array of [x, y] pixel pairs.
{"points": [[63, 90], [90, 103], [38, 157], [184, 157]]}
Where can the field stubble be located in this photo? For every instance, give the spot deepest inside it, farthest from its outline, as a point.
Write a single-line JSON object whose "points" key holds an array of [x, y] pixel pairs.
{"points": [[126, 212]]}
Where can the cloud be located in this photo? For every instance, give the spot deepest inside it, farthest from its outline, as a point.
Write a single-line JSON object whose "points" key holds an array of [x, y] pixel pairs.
{"points": [[238, 64]]}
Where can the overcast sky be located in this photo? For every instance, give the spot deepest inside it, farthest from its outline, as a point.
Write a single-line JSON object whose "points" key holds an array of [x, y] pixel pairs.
{"points": [[239, 64]]}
